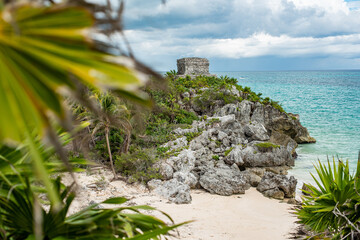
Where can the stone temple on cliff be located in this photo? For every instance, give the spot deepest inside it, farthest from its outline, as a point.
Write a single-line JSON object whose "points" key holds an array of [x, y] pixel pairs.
{"points": [[193, 66]]}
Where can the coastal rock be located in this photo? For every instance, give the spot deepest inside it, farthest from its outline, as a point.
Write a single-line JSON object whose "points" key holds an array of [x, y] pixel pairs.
{"points": [[293, 201], [166, 171], [154, 183], [224, 180], [184, 162], [256, 132], [226, 120], [286, 124], [277, 186], [274, 193], [99, 206], [187, 178], [235, 157], [255, 156], [176, 144], [258, 171], [258, 114], [228, 109], [282, 170], [284, 140], [185, 95], [252, 178], [244, 111], [175, 191]]}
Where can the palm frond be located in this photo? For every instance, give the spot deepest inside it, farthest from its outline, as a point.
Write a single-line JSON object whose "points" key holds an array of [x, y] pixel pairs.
{"points": [[39, 48], [332, 204]]}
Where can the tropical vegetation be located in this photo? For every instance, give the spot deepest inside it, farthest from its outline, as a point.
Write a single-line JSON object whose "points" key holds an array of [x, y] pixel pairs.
{"points": [[48, 58], [331, 207]]}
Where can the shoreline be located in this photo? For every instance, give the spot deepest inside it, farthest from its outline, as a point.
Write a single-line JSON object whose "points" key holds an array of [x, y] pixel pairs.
{"points": [[250, 215]]}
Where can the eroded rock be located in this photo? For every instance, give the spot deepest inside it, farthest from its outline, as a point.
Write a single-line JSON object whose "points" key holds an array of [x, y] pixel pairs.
{"points": [[254, 155], [224, 180], [256, 131], [173, 190], [235, 156], [277, 186]]}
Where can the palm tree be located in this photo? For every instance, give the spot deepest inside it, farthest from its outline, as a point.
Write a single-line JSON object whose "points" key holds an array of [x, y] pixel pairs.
{"points": [[115, 116]]}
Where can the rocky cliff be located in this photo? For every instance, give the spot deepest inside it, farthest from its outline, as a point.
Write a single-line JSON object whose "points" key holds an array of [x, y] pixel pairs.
{"points": [[237, 143]]}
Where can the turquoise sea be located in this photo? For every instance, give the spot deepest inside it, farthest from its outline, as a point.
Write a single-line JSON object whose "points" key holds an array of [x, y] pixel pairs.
{"points": [[329, 106]]}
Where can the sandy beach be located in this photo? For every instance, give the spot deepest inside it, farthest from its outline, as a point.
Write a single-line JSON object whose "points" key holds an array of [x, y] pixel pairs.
{"points": [[248, 216]]}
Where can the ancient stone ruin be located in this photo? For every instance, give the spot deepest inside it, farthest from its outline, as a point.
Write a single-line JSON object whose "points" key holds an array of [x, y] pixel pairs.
{"points": [[193, 66]]}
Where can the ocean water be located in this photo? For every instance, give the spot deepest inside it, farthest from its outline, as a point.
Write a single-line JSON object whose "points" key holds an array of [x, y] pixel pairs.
{"points": [[328, 103]]}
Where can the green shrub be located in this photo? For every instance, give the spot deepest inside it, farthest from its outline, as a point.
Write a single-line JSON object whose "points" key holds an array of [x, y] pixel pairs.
{"points": [[208, 98], [266, 100], [215, 157], [334, 202], [277, 105], [184, 117], [158, 131], [137, 164], [163, 149], [171, 74], [191, 135], [267, 145], [212, 121], [247, 90]]}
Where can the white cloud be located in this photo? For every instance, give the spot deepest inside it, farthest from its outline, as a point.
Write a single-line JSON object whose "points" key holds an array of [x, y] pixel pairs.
{"points": [[264, 45], [246, 17], [260, 44], [244, 28]]}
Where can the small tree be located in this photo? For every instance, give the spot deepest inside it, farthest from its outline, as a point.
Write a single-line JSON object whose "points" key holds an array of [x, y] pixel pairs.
{"points": [[115, 115]]}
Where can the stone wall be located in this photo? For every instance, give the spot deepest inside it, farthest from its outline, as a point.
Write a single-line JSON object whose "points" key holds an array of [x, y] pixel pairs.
{"points": [[193, 66]]}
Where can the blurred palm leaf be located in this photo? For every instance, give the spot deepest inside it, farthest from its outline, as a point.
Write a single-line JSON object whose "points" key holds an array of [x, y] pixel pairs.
{"points": [[18, 217], [16, 164], [42, 50]]}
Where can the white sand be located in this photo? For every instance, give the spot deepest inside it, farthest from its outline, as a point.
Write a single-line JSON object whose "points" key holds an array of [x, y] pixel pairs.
{"points": [[247, 216]]}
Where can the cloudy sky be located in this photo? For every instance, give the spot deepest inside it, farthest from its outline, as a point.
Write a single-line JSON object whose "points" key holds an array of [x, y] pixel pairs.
{"points": [[240, 35]]}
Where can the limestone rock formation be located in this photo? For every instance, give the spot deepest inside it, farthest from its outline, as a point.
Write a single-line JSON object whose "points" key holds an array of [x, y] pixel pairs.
{"points": [[224, 180], [277, 186], [173, 190], [232, 146], [226, 159]]}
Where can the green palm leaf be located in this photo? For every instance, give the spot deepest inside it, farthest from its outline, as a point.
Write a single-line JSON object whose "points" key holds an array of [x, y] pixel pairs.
{"points": [[40, 50], [333, 201]]}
